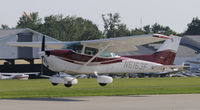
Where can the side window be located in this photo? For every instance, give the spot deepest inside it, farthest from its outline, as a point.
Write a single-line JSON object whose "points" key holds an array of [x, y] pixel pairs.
{"points": [[90, 51], [77, 48], [65, 46], [105, 54]]}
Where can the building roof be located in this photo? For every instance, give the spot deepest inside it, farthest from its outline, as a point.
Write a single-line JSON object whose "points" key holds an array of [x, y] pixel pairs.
{"points": [[189, 46], [183, 50], [21, 35], [192, 41], [8, 32]]}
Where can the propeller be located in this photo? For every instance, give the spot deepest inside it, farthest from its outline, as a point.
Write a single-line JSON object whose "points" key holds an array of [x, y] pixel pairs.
{"points": [[43, 43], [42, 57]]}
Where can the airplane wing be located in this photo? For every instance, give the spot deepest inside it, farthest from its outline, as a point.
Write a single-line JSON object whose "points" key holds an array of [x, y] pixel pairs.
{"points": [[194, 62], [51, 45], [119, 44], [124, 44]]}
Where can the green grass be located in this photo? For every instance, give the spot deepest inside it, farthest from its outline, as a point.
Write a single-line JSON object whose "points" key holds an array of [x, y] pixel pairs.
{"points": [[89, 87]]}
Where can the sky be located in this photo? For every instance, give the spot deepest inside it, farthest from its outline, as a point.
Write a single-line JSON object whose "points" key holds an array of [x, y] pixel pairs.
{"points": [[134, 13]]}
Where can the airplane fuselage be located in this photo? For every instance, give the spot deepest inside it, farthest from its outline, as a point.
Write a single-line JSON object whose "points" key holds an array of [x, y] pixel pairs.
{"points": [[71, 62]]}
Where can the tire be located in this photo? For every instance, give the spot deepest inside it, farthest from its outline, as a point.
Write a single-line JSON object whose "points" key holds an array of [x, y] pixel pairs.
{"points": [[102, 84], [68, 85], [54, 84]]}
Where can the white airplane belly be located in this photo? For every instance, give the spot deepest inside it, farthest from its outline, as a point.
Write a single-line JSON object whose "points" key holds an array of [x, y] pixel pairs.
{"points": [[132, 66], [126, 66]]}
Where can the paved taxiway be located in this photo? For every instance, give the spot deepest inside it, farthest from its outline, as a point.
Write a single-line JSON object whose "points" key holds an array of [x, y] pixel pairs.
{"points": [[141, 102]]}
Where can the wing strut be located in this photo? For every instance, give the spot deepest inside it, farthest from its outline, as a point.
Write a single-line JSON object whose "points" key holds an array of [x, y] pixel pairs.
{"points": [[101, 50]]}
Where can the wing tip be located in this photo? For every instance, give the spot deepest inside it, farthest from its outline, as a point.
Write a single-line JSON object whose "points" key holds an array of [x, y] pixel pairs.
{"points": [[161, 36]]}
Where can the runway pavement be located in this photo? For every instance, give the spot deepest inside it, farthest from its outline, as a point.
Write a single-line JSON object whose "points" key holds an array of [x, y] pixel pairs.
{"points": [[140, 102]]}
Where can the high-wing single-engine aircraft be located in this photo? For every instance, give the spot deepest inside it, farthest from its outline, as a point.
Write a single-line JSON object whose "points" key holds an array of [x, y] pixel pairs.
{"points": [[98, 57], [21, 76]]}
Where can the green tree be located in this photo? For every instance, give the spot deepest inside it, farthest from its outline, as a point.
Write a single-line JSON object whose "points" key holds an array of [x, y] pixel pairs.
{"points": [[113, 26], [157, 28], [147, 29], [51, 26], [137, 31], [4, 26], [70, 28], [193, 27], [25, 22]]}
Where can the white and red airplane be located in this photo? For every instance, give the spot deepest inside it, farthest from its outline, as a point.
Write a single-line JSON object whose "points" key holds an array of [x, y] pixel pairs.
{"points": [[14, 76], [97, 57], [20, 76]]}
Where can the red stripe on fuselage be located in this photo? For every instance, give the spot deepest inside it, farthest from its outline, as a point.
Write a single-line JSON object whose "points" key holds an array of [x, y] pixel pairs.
{"points": [[164, 57], [77, 58]]}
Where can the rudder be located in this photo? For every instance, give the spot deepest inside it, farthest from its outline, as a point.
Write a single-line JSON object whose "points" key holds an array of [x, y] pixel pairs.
{"points": [[167, 52]]}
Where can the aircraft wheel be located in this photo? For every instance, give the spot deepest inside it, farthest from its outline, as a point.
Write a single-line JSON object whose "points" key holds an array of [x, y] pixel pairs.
{"points": [[68, 85], [102, 84], [54, 84]]}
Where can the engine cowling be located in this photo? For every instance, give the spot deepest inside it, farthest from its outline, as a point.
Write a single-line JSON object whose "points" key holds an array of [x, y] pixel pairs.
{"points": [[104, 80]]}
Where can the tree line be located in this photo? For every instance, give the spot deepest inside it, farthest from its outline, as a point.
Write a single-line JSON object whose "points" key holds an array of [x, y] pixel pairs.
{"points": [[73, 28]]}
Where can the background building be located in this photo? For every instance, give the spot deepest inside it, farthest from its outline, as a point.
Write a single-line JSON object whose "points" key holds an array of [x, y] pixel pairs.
{"points": [[20, 35], [20, 59]]}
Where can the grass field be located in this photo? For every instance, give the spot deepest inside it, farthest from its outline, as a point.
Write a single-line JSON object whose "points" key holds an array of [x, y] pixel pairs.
{"points": [[89, 87]]}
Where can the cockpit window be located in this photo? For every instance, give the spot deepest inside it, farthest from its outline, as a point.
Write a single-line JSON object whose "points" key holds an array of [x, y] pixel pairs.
{"points": [[77, 47], [90, 51], [105, 54]]}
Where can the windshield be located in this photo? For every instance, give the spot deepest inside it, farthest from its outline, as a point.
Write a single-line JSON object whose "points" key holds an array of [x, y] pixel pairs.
{"points": [[75, 46], [106, 53], [90, 51]]}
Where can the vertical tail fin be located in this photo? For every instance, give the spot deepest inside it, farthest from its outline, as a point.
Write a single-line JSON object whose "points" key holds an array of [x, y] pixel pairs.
{"points": [[167, 52]]}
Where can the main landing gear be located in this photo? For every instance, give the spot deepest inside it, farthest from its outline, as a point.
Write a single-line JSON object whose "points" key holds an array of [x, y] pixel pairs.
{"points": [[68, 81], [103, 80]]}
